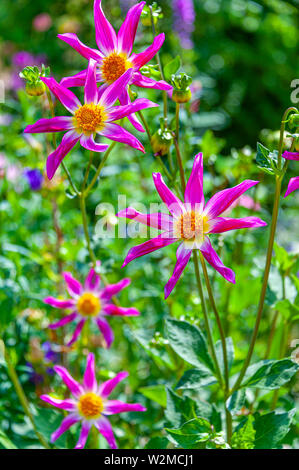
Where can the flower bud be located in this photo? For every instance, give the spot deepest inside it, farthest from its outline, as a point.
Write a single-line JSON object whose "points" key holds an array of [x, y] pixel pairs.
{"points": [[181, 88], [149, 14], [161, 142], [294, 120], [34, 84]]}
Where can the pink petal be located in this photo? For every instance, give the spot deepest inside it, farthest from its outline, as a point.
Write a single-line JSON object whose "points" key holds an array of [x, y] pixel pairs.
{"points": [[113, 289], [89, 143], [213, 259], [69, 141], [119, 112], [105, 34], [143, 58], [83, 435], [104, 427], [57, 303], [73, 41], [68, 404], [223, 199], [148, 247], [113, 91], [65, 425], [124, 99], [222, 224], [57, 124], [75, 388], [119, 134], [107, 387], [293, 185], [183, 255], [77, 332], [78, 79], [157, 220], [173, 203], [291, 155], [93, 280], [106, 330], [114, 310], [194, 188], [91, 89], [64, 321], [73, 286], [146, 82], [89, 380], [115, 406], [127, 32], [65, 96]]}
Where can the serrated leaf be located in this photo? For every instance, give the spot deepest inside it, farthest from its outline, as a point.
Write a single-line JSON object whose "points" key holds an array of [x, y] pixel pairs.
{"points": [[172, 67], [156, 393], [192, 433], [244, 437], [271, 428], [236, 401], [188, 342], [194, 379], [179, 409], [270, 374]]}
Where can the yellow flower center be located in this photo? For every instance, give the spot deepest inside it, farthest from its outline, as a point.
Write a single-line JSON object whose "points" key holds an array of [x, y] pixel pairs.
{"points": [[88, 304], [114, 66], [191, 226], [90, 118], [90, 405]]}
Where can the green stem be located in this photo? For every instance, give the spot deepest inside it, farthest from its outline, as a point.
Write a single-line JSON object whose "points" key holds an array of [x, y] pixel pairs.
{"points": [[180, 164], [265, 282], [206, 319], [100, 167], [223, 343], [85, 227], [177, 120], [52, 110], [22, 397]]}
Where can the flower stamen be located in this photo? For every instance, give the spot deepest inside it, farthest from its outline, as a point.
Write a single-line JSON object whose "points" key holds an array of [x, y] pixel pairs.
{"points": [[191, 226], [88, 305], [90, 118], [90, 405], [114, 66]]}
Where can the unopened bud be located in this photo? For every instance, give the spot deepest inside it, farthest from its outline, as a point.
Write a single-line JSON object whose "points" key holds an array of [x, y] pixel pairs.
{"points": [[294, 120], [151, 13], [161, 142], [34, 84], [181, 88]]}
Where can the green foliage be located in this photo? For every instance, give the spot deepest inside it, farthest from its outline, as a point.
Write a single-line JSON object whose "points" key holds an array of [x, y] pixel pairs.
{"points": [[271, 428], [244, 436]]}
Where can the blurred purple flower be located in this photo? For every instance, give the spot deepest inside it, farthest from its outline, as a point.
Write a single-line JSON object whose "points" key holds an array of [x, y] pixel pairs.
{"points": [[34, 178], [19, 61], [184, 17]]}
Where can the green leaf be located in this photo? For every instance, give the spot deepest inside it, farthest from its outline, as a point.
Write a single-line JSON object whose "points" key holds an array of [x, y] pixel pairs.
{"points": [[270, 374], [5, 441], [172, 67], [229, 351], [192, 434], [287, 309], [179, 409], [244, 437], [157, 443], [188, 342], [194, 379], [48, 421], [283, 260], [271, 428], [236, 401], [156, 393], [267, 160]]}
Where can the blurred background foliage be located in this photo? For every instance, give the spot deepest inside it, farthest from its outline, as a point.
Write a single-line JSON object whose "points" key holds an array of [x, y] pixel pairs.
{"points": [[242, 56]]}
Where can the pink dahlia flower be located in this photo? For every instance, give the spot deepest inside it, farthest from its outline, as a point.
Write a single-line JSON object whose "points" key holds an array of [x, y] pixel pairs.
{"points": [[115, 56], [294, 182], [95, 116], [190, 222], [89, 404], [90, 301]]}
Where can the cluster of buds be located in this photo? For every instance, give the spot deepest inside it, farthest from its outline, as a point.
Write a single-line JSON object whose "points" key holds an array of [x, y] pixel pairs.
{"points": [[181, 88], [161, 140], [32, 75], [151, 13], [293, 121]]}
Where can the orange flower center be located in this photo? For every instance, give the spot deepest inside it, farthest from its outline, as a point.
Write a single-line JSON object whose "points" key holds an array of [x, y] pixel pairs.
{"points": [[90, 405], [191, 226], [114, 66], [88, 304], [90, 118]]}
